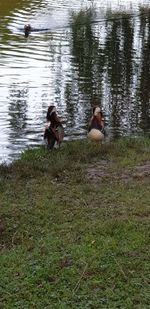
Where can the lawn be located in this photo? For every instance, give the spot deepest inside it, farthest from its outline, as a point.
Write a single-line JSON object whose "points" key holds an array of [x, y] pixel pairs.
{"points": [[75, 227]]}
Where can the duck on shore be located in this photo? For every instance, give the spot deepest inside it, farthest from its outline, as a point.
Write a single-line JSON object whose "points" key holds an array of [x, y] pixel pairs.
{"points": [[96, 125]]}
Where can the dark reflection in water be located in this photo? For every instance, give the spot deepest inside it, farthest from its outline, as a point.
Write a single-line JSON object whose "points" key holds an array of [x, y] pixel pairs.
{"points": [[113, 71], [17, 111], [144, 77], [90, 60], [88, 57]]}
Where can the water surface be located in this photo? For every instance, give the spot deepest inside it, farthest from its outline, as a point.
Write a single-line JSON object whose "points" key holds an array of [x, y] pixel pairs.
{"points": [[93, 52]]}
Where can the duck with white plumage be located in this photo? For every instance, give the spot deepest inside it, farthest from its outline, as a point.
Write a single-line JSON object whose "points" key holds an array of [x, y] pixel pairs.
{"points": [[96, 126]]}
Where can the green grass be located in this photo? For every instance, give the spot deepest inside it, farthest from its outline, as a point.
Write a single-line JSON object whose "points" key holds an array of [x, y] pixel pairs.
{"points": [[71, 241]]}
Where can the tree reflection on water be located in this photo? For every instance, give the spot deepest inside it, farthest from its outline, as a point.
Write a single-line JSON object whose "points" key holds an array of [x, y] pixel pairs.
{"points": [[89, 61], [110, 68]]}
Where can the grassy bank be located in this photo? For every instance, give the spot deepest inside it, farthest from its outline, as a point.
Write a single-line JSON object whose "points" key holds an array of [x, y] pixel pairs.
{"points": [[75, 227]]}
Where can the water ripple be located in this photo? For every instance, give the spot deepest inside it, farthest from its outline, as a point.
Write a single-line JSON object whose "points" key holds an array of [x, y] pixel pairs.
{"points": [[49, 67]]}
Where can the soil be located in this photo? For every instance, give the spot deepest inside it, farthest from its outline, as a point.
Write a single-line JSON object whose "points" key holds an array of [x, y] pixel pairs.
{"points": [[101, 170]]}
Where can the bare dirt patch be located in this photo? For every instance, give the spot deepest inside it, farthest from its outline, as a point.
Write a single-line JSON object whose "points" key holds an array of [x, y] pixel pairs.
{"points": [[142, 170], [102, 169], [98, 170]]}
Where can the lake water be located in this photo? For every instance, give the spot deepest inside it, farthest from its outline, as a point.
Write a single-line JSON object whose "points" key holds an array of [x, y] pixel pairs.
{"points": [[83, 53]]}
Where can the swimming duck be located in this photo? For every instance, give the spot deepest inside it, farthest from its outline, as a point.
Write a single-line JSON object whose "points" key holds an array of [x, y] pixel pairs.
{"points": [[27, 29]]}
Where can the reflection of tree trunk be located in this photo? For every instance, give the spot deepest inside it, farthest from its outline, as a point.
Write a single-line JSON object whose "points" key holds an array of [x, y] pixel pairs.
{"points": [[88, 56], [119, 54], [144, 88], [144, 78], [17, 111], [127, 34]]}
